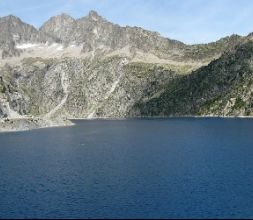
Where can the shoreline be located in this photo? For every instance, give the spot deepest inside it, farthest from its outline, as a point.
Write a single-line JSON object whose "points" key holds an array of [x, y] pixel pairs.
{"points": [[33, 123]]}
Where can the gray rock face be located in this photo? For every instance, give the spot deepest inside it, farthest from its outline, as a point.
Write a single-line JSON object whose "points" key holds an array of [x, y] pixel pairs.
{"points": [[61, 27], [78, 88]]}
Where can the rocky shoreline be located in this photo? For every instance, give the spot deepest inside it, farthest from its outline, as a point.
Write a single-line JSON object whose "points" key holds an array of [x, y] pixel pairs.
{"points": [[25, 124]]}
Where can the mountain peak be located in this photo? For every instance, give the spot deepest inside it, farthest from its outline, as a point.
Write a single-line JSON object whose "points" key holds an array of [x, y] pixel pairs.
{"points": [[94, 15], [65, 16], [61, 18], [58, 21], [60, 26], [10, 18]]}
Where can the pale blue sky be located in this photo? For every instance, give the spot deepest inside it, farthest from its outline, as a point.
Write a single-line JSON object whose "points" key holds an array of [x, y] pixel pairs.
{"points": [[191, 21]]}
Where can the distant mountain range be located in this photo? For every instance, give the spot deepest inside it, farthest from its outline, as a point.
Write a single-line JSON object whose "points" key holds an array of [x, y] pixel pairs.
{"points": [[92, 68]]}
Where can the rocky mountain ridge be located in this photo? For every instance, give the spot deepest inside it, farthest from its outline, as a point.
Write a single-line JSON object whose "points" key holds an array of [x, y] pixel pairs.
{"points": [[94, 33]]}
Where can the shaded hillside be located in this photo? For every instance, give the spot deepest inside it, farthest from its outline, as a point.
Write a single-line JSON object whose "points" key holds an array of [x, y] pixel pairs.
{"points": [[224, 87]]}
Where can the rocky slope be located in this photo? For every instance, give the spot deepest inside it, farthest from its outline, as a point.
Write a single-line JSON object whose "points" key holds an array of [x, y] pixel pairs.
{"points": [[223, 88], [91, 68], [105, 87]]}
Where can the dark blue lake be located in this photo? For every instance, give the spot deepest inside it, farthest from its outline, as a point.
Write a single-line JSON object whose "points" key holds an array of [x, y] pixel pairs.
{"points": [[173, 168]]}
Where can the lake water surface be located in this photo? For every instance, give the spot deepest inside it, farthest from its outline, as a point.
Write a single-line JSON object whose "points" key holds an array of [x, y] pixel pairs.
{"points": [[162, 168]]}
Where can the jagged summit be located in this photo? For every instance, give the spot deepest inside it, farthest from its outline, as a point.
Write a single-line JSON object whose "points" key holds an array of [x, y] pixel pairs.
{"points": [[60, 18], [65, 15], [9, 18], [94, 15], [59, 27], [57, 22], [14, 31]]}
